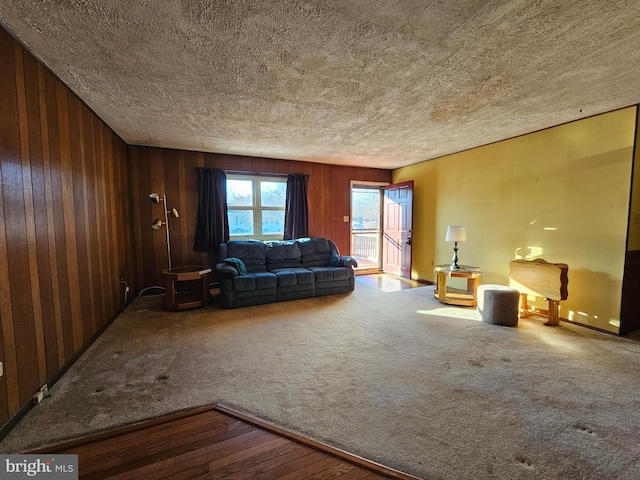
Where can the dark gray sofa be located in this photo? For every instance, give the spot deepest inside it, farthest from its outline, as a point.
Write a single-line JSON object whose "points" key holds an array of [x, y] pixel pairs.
{"points": [[252, 272]]}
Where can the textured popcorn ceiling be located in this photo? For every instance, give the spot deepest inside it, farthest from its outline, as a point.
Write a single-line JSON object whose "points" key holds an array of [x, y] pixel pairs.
{"points": [[380, 83]]}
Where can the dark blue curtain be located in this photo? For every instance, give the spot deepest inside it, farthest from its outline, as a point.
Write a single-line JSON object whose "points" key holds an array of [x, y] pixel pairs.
{"points": [[296, 213], [212, 223]]}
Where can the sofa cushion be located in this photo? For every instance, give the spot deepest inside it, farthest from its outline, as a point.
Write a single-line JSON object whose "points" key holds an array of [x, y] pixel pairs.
{"points": [[251, 252], [294, 276], [330, 274], [254, 281], [315, 251], [282, 254]]}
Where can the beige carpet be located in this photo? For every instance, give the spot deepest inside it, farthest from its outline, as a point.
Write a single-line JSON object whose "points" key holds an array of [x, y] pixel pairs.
{"points": [[394, 377]]}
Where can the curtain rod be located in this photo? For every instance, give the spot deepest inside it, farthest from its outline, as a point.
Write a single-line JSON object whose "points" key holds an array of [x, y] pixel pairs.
{"points": [[262, 174], [254, 173]]}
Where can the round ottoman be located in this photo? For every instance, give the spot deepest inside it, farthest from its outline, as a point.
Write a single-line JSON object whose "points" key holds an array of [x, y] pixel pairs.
{"points": [[498, 304]]}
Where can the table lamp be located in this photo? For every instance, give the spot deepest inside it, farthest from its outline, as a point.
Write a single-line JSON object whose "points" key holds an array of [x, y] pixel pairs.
{"points": [[455, 234]]}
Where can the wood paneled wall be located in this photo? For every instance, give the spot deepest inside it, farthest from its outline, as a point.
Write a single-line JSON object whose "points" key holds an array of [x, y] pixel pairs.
{"points": [[630, 308], [65, 226], [172, 172]]}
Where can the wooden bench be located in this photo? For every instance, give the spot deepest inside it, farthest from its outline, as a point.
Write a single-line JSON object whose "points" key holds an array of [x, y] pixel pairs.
{"points": [[542, 279]]}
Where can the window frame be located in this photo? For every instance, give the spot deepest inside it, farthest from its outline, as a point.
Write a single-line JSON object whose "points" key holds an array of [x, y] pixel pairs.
{"points": [[257, 208]]}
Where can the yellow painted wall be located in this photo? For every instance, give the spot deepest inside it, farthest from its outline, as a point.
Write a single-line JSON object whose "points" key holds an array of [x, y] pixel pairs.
{"points": [[561, 194]]}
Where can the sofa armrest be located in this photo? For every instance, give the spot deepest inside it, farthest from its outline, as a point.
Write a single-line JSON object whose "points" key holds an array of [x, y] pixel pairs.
{"points": [[347, 261], [224, 270], [230, 267]]}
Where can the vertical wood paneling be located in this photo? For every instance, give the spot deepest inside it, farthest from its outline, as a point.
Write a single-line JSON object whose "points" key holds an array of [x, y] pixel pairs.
{"points": [[101, 274], [57, 221], [172, 190], [113, 181], [8, 130], [121, 227], [50, 254], [59, 261], [126, 220], [182, 202], [83, 293], [18, 248], [137, 217], [108, 212], [84, 246], [327, 204], [7, 345], [105, 187], [25, 119], [69, 220], [91, 219], [159, 245], [173, 173], [629, 318], [37, 135], [147, 209]]}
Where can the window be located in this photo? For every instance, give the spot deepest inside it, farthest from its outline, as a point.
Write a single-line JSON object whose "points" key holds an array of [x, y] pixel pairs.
{"points": [[255, 207]]}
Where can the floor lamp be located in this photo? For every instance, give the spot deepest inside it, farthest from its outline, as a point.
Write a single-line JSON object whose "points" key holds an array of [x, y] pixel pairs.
{"points": [[158, 223]]}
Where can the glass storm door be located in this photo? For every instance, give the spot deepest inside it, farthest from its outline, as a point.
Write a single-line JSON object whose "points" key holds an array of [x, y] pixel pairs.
{"points": [[366, 226]]}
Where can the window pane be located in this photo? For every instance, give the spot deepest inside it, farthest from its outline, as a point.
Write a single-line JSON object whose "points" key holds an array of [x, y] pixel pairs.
{"points": [[365, 206], [272, 221], [240, 222], [273, 194], [239, 193]]}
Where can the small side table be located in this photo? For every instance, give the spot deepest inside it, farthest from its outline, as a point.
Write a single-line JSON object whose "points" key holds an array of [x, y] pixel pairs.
{"points": [[179, 295], [463, 298]]}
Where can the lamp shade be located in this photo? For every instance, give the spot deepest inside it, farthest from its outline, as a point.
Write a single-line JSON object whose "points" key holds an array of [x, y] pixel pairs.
{"points": [[157, 224], [456, 233], [155, 198]]}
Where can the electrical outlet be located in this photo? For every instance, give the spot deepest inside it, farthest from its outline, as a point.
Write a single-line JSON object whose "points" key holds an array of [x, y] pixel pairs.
{"points": [[38, 397]]}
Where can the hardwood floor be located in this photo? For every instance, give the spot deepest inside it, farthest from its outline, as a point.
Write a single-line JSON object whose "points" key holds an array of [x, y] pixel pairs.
{"points": [[389, 283], [214, 443]]}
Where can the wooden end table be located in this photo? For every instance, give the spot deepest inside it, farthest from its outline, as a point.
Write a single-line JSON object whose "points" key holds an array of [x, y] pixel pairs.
{"points": [[463, 298], [181, 295]]}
